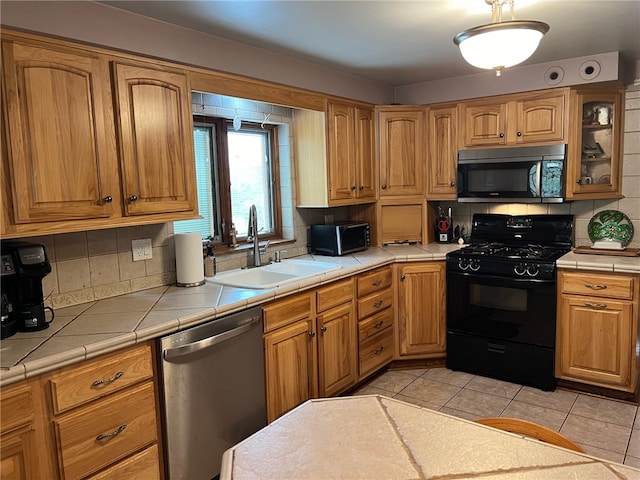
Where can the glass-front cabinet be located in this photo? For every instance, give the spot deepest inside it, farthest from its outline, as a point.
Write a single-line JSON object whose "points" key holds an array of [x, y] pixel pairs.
{"points": [[595, 146]]}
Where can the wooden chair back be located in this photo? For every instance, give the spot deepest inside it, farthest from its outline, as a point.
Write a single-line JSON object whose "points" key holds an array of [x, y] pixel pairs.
{"points": [[530, 429]]}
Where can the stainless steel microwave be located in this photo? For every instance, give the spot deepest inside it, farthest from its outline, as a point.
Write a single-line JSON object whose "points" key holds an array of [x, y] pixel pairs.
{"points": [[519, 174], [339, 238]]}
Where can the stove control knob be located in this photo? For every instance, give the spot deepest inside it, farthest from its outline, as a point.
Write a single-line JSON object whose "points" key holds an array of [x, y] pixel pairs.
{"points": [[533, 270], [474, 265], [463, 264], [520, 269]]}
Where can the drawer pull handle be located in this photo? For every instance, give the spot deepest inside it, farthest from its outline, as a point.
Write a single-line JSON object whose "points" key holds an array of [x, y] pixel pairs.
{"points": [[378, 351], [378, 325], [377, 304], [117, 431], [595, 305], [595, 287], [376, 283], [97, 383]]}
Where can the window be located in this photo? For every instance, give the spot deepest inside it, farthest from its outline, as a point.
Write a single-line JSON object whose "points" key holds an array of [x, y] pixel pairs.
{"points": [[235, 169]]}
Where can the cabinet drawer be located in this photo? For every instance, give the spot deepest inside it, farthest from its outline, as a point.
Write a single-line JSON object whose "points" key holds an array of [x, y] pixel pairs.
{"points": [[376, 352], [285, 311], [131, 413], [144, 465], [375, 324], [374, 303], [101, 376], [374, 281], [610, 286], [16, 407], [335, 294]]}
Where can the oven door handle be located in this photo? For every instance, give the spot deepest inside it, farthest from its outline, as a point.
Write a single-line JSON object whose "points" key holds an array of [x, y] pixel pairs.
{"points": [[502, 281]]}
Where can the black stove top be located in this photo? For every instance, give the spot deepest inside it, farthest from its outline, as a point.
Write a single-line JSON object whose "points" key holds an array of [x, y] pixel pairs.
{"points": [[524, 246]]}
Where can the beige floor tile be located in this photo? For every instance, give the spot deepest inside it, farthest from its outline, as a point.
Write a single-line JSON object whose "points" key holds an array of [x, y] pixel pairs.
{"points": [[561, 400], [636, 423], [606, 410], [430, 391], [493, 387], [478, 403], [445, 375], [633, 449], [416, 401], [416, 372], [535, 413], [602, 453], [369, 390], [596, 433], [632, 461], [392, 381]]}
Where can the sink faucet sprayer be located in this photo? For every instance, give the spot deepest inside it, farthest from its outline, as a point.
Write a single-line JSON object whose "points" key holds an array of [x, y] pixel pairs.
{"points": [[252, 231]]}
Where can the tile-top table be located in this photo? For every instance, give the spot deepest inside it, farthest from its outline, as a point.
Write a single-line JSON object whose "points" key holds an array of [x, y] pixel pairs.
{"points": [[373, 437]]}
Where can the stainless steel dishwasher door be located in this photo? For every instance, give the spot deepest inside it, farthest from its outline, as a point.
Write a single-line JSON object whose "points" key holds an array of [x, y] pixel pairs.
{"points": [[213, 392]]}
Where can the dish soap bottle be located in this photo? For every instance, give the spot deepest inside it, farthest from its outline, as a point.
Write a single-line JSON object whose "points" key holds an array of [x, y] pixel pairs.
{"points": [[233, 235]]}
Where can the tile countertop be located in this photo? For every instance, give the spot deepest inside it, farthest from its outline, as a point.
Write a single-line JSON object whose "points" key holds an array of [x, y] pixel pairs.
{"points": [[84, 331], [374, 437]]}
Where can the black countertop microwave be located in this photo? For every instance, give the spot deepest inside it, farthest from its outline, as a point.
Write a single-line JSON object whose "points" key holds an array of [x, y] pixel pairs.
{"points": [[518, 174], [339, 238]]}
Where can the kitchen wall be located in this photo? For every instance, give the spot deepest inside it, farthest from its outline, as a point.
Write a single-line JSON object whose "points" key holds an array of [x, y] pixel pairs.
{"points": [[584, 209]]}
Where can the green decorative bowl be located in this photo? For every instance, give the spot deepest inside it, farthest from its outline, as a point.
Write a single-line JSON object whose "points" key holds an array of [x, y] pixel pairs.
{"points": [[610, 229]]}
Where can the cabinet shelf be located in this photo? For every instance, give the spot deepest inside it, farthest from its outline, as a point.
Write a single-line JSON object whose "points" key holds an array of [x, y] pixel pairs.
{"points": [[596, 126], [596, 159]]}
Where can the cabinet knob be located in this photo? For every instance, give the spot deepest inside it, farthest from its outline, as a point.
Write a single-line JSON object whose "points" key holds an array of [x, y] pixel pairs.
{"points": [[133, 198], [383, 186], [361, 187], [353, 187], [323, 329], [403, 277], [501, 135], [578, 181], [453, 184], [312, 334], [519, 134], [107, 199]]}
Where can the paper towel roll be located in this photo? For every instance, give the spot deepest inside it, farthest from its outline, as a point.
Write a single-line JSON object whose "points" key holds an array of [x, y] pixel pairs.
{"points": [[189, 262]]}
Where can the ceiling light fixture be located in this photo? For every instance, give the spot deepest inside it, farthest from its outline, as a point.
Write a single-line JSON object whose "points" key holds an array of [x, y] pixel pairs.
{"points": [[500, 45]]}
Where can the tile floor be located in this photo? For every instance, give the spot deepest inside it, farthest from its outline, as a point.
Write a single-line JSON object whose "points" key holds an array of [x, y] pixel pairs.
{"points": [[603, 427]]}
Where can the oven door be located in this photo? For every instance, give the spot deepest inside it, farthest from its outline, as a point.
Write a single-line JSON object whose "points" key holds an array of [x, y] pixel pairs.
{"points": [[518, 310]]}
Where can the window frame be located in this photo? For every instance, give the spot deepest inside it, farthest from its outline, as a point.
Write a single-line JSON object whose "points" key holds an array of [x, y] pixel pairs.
{"points": [[222, 174]]}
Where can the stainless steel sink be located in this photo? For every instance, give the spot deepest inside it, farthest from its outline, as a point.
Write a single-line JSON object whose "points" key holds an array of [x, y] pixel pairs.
{"points": [[273, 275]]}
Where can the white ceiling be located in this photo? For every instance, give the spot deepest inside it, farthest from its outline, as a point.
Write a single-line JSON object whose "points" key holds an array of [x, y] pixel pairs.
{"points": [[399, 42]]}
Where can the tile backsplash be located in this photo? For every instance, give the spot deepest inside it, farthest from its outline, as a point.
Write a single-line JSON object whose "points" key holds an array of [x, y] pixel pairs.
{"points": [[88, 266]]}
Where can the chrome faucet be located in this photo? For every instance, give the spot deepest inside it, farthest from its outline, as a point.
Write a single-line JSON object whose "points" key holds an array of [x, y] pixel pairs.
{"points": [[252, 231]]}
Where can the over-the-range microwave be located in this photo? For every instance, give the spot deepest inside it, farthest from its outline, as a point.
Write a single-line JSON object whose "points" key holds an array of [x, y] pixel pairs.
{"points": [[339, 238], [519, 174]]}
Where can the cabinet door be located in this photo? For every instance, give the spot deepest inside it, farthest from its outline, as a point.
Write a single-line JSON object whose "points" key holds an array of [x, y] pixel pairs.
{"points": [[541, 120], [442, 166], [290, 366], [421, 308], [484, 124], [337, 350], [594, 167], [596, 341], [402, 152], [16, 457], [365, 161], [61, 139], [342, 182], [156, 140]]}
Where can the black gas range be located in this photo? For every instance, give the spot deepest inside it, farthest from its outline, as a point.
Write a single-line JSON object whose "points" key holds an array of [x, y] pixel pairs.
{"points": [[501, 307]]}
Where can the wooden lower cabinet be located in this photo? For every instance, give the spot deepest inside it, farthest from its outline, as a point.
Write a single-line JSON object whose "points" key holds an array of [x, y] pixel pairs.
{"points": [[310, 346], [421, 314], [597, 329]]}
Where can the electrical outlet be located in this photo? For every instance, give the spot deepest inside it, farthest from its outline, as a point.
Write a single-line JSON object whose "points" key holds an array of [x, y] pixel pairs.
{"points": [[328, 219], [141, 249]]}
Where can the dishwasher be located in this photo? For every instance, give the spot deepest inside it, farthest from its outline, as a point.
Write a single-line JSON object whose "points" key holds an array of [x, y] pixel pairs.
{"points": [[213, 392]]}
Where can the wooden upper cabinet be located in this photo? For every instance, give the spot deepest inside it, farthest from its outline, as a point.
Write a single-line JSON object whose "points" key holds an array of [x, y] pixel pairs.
{"points": [[351, 162], [61, 141], [532, 118], [442, 165], [402, 150], [155, 134]]}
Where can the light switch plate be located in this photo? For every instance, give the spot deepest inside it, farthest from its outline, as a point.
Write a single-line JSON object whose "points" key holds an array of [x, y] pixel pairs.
{"points": [[141, 249]]}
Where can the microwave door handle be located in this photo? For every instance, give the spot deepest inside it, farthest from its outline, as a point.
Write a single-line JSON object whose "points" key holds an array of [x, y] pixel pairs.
{"points": [[539, 179]]}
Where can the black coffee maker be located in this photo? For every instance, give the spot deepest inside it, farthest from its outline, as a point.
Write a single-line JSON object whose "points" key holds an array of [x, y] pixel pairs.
{"points": [[24, 265]]}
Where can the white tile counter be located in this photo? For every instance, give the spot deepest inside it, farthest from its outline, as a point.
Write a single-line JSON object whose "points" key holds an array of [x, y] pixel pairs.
{"points": [[602, 263], [375, 437], [85, 331]]}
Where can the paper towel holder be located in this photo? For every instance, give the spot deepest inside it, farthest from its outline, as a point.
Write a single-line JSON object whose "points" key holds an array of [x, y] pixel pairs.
{"points": [[189, 259]]}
